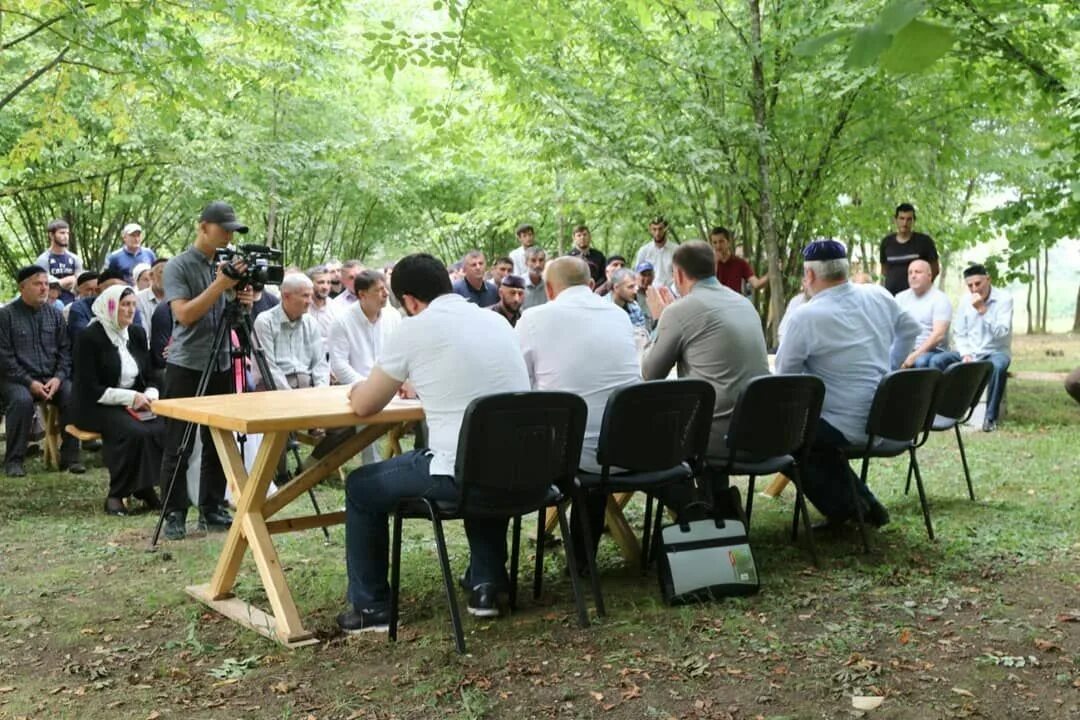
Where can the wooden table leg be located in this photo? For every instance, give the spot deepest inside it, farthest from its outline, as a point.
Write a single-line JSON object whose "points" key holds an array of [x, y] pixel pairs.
{"points": [[776, 486], [620, 529]]}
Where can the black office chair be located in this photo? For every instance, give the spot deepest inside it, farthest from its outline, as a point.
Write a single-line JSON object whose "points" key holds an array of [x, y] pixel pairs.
{"points": [[772, 428], [516, 454], [962, 384], [654, 434], [899, 422]]}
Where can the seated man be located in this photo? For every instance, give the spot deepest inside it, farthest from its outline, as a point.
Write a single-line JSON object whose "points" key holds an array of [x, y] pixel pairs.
{"points": [[614, 263], [623, 295], [931, 309], [451, 352], [511, 296], [850, 336], [359, 333], [35, 366], [983, 331], [291, 341], [581, 344], [645, 276]]}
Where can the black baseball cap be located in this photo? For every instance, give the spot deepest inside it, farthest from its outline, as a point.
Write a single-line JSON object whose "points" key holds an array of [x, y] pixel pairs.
{"points": [[222, 213]]}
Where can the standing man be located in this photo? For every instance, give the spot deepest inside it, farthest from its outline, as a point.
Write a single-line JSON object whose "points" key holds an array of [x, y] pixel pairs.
{"points": [[130, 254], [35, 366], [931, 309], [478, 355], [983, 331], [659, 252], [511, 297], [473, 287], [360, 332], [348, 273], [324, 311], [731, 270], [502, 267], [290, 339], [146, 301], [903, 246], [535, 294], [527, 237], [63, 265], [592, 257], [850, 336], [195, 289], [581, 344]]}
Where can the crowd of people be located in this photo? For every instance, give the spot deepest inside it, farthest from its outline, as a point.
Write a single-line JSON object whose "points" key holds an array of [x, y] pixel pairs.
{"points": [[103, 347]]}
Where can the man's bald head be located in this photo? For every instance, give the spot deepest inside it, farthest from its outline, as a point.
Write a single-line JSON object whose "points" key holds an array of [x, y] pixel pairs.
{"points": [[565, 272], [919, 276]]}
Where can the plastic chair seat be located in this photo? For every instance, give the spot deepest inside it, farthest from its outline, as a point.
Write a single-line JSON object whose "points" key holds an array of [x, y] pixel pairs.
{"points": [[745, 464], [633, 481], [417, 508], [944, 423], [883, 448]]}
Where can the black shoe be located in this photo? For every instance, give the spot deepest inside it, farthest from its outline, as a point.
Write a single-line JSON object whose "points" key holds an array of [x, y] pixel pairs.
{"points": [[149, 498], [877, 515], [176, 525], [14, 469], [352, 622], [92, 445], [75, 468], [989, 425], [115, 507], [482, 601], [215, 520]]}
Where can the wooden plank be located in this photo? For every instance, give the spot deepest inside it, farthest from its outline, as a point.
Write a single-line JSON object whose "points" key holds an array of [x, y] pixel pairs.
{"points": [[51, 416], [232, 463], [289, 627], [305, 522], [83, 435], [247, 615], [776, 486], [323, 407], [620, 529]]}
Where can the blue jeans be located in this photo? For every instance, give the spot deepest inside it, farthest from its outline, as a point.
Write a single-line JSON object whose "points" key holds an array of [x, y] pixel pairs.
{"points": [[826, 477], [996, 386], [372, 492], [927, 359]]}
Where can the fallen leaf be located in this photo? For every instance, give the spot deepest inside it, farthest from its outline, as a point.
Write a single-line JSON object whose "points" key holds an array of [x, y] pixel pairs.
{"points": [[1046, 645], [962, 691], [283, 687], [6, 689], [905, 637], [154, 715], [1071, 616], [866, 702], [598, 697]]}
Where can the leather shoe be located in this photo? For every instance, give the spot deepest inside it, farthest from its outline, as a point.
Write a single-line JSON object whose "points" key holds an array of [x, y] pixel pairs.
{"points": [[217, 520], [75, 468], [176, 525], [14, 469], [352, 622], [482, 601], [877, 515], [115, 507], [989, 426]]}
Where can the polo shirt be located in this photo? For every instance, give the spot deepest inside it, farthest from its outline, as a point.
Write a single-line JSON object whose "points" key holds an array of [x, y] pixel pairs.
{"points": [[453, 352], [583, 344], [186, 276], [932, 306], [733, 272], [125, 261], [356, 343], [517, 255], [486, 296]]}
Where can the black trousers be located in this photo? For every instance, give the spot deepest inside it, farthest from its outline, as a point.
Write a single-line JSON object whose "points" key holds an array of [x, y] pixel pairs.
{"points": [[20, 416], [132, 451], [182, 382]]}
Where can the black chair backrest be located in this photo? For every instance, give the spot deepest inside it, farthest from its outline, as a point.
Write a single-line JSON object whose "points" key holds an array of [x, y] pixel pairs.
{"points": [[514, 446], [776, 415], [903, 404], [656, 425], [961, 387]]}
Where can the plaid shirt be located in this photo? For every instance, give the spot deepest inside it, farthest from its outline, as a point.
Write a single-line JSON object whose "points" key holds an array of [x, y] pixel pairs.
{"points": [[33, 344]]}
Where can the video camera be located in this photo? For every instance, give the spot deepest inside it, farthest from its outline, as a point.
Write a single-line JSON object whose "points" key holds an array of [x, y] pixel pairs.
{"points": [[263, 265]]}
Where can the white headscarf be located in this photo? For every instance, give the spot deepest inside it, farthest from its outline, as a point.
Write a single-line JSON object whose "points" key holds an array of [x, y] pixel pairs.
{"points": [[106, 309]]}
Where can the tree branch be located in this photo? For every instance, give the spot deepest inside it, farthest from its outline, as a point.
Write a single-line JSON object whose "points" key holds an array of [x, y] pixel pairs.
{"points": [[34, 76]]}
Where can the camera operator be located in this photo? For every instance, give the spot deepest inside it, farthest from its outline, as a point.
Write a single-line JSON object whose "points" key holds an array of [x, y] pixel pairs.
{"points": [[195, 289]]}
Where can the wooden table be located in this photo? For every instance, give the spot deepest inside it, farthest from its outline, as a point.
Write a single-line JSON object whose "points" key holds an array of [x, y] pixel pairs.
{"points": [[275, 415]]}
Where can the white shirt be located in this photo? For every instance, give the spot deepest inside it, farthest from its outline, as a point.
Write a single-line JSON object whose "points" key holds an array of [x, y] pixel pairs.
{"points": [[518, 256], [660, 257], [146, 302], [453, 352], [850, 336], [325, 316], [583, 344], [292, 346], [931, 307], [980, 335], [356, 342]]}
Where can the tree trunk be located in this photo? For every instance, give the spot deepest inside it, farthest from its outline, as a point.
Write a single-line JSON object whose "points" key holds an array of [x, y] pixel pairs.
{"points": [[1046, 287], [1029, 287], [1076, 316], [1038, 290], [765, 199]]}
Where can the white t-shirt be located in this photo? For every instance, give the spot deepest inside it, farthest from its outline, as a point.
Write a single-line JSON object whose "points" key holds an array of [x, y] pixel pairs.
{"points": [[356, 342], [933, 306], [583, 344], [660, 257], [521, 268], [453, 352]]}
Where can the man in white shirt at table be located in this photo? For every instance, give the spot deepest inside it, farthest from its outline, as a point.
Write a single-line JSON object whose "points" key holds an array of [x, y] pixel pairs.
{"points": [[579, 342], [450, 352]]}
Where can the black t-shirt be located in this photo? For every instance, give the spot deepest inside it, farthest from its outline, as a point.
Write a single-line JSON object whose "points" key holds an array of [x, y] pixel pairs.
{"points": [[896, 256]]}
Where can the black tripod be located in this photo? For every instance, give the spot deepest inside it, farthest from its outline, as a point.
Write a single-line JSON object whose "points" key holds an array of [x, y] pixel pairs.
{"points": [[237, 318]]}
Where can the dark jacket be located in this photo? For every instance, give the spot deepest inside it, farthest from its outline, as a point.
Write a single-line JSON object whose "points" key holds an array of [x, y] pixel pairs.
{"points": [[97, 368]]}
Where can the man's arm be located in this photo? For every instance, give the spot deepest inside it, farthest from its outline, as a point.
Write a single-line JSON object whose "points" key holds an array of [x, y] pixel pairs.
{"points": [[528, 347], [663, 352], [188, 311], [372, 395], [338, 340], [905, 330], [939, 329], [10, 367], [758, 282], [320, 367]]}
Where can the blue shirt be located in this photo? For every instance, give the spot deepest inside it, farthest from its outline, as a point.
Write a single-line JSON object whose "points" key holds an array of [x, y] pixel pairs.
{"points": [[979, 335], [486, 296], [61, 266], [125, 261], [850, 336]]}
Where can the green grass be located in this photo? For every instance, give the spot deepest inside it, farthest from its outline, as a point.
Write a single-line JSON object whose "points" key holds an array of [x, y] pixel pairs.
{"points": [[92, 626]]}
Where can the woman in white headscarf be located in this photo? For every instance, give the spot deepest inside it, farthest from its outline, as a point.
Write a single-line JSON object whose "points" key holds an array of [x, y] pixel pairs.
{"points": [[112, 397]]}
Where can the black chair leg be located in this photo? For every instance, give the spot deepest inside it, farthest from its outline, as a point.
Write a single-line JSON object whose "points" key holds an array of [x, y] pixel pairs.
{"points": [[907, 485], [538, 568], [590, 553], [800, 508], [571, 564], [645, 531], [749, 504], [395, 576], [963, 459], [448, 579], [515, 549], [654, 542], [922, 493], [857, 498]]}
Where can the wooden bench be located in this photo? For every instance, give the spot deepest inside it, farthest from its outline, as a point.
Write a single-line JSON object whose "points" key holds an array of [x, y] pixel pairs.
{"points": [[83, 435], [51, 413]]}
